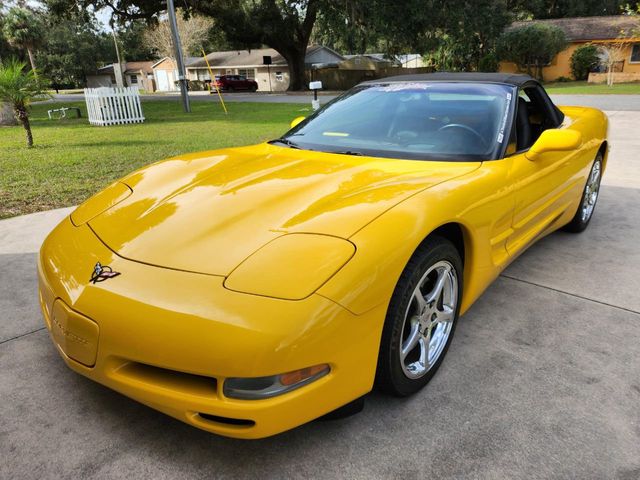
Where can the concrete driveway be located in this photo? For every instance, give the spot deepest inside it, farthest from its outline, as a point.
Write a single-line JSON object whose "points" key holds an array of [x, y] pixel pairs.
{"points": [[542, 379]]}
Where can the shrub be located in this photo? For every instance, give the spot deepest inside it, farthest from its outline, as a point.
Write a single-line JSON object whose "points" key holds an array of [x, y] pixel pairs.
{"points": [[583, 60], [488, 63], [18, 87], [532, 45]]}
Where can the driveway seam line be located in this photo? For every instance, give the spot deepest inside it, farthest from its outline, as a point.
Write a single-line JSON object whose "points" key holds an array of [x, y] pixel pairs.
{"points": [[571, 294], [21, 335]]}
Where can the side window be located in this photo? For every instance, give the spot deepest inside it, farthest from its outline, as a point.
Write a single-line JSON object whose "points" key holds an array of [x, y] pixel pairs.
{"points": [[635, 53], [534, 115]]}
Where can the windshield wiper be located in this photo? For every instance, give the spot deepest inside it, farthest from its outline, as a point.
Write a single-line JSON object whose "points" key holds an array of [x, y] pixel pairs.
{"points": [[350, 152], [287, 142]]}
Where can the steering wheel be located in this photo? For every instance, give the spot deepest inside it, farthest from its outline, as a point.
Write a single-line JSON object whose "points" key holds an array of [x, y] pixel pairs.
{"points": [[467, 129]]}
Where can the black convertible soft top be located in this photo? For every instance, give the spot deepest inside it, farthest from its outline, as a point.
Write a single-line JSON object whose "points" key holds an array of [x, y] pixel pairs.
{"points": [[516, 79]]}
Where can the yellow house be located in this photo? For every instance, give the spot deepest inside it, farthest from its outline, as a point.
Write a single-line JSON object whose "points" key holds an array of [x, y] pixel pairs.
{"points": [[618, 29]]}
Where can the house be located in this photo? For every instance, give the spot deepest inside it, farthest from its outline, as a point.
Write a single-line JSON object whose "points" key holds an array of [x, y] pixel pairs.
{"points": [[165, 73], [591, 30], [124, 74], [411, 60], [249, 63]]}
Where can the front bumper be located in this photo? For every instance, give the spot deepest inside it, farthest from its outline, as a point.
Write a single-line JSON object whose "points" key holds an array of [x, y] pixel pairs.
{"points": [[169, 338]]}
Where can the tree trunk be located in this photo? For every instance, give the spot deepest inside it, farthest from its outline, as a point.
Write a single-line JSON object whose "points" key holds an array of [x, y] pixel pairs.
{"points": [[32, 60], [529, 69], [23, 117], [295, 61]]}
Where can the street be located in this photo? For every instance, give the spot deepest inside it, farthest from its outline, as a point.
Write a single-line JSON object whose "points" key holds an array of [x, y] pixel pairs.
{"points": [[542, 379], [609, 103]]}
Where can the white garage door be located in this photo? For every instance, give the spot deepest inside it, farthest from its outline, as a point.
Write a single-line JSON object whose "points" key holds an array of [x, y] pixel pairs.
{"points": [[163, 80]]}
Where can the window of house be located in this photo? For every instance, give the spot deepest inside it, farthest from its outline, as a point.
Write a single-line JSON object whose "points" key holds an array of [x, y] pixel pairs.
{"points": [[635, 53], [133, 79], [248, 73], [203, 75], [279, 77]]}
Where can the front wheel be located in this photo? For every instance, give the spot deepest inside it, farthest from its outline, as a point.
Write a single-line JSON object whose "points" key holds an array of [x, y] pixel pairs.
{"points": [[588, 200], [421, 318]]}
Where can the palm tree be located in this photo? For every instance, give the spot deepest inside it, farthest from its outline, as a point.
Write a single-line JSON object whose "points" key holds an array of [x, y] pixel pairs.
{"points": [[23, 29], [18, 87]]}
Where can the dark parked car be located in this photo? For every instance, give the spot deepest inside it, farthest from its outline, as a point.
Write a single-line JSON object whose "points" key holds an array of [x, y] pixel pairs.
{"points": [[230, 83]]}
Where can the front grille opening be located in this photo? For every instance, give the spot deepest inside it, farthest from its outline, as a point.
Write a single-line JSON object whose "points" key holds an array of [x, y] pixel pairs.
{"points": [[184, 383], [238, 422]]}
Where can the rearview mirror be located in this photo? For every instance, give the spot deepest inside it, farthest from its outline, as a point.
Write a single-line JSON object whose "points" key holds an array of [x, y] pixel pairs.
{"points": [[296, 121], [554, 140]]}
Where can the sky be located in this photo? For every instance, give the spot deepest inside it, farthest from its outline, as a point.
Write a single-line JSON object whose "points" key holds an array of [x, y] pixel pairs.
{"points": [[103, 15]]}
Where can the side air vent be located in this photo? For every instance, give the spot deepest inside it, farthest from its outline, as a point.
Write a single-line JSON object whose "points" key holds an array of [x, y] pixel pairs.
{"points": [[238, 422]]}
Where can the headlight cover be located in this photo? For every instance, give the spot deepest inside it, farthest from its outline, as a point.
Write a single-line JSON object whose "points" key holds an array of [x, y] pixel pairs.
{"points": [[258, 388], [100, 202], [292, 266]]}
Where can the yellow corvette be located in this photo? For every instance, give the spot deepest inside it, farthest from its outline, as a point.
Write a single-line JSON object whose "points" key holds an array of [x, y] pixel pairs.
{"points": [[249, 290]]}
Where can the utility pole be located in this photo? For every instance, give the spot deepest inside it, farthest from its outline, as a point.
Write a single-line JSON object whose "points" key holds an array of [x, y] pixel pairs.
{"points": [[115, 41], [184, 92], [118, 70]]}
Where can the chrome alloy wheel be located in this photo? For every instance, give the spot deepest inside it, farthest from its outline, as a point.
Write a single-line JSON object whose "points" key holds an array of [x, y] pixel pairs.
{"points": [[591, 191], [429, 319]]}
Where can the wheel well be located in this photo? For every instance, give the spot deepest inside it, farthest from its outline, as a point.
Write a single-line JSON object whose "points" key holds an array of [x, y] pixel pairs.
{"points": [[452, 232], [603, 151]]}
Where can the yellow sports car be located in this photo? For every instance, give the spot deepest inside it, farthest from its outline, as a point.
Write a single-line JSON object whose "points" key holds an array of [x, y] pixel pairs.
{"points": [[246, 291]]}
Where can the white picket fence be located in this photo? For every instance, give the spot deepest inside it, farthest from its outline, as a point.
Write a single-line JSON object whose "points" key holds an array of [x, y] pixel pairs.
{"points": [[113, 106]]}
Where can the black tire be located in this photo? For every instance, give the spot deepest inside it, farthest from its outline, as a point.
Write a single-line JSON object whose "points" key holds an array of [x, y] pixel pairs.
{"points": [[390, 374], [230, 89], [253, 89], [579, 222]]}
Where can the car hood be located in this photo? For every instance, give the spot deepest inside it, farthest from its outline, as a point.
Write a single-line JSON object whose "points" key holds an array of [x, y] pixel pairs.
{"points": [[207, 212]]}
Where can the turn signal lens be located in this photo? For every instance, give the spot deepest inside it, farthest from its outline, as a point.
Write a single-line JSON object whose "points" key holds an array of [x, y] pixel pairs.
{"points": [[301, 375], [267, 387]]}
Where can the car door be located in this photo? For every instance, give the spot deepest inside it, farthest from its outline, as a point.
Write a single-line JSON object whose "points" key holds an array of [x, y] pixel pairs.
{"points": [[542, 187]]}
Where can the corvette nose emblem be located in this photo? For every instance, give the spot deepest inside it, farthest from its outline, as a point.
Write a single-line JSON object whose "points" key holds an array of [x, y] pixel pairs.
{"points": [[102, 273]]}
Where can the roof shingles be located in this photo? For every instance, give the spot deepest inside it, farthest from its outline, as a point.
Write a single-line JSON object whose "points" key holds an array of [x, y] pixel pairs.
{"points": [[584, 29]]}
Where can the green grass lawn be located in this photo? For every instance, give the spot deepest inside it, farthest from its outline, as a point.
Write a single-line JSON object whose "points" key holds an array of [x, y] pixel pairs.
{"points": [[573, 88], [72, 160]]}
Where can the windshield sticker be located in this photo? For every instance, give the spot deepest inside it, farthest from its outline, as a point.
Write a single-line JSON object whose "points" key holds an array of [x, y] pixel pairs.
{"points": [[505, 117], [399, 87]]}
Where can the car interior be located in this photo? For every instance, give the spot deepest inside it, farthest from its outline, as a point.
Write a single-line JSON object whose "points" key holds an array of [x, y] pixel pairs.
{"points": [[533, 116], [421, 121], [431, 121]]}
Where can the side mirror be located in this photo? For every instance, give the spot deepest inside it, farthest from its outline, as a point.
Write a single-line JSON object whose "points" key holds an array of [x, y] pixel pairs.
{"points": [[296, 121], [554, 140]]}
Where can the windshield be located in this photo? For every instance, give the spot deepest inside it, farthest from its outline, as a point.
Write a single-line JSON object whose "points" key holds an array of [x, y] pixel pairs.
{"points": [[420, 120]]}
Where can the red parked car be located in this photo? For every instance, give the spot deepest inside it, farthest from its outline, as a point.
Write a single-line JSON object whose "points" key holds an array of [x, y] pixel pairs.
{"points": [[231, 83]]}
